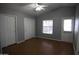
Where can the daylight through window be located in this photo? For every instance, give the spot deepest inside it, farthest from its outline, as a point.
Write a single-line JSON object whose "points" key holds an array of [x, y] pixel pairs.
{"points": [[47, 26], [68, 25]]}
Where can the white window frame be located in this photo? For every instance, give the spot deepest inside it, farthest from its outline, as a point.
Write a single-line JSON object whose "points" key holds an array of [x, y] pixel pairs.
{"points": [[64, 27], [43, 27]]}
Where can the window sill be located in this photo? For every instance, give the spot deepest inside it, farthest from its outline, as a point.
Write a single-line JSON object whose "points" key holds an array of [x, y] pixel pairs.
{"points": [[67, 31], [46, 34]]}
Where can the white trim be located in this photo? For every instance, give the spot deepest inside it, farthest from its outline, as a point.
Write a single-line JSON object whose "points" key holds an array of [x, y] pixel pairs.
{"points": [[74, 48], [53, 39], [43, 26], [8, 45], [20, 41], [16, 33], [23, 40], [62, 29]]}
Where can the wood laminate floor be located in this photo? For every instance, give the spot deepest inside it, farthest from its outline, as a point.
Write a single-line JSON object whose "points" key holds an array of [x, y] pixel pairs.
{"points": [[39, 46]]}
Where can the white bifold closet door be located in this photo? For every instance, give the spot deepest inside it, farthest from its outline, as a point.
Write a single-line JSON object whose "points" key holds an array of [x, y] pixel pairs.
{"points": [[7, 30]]}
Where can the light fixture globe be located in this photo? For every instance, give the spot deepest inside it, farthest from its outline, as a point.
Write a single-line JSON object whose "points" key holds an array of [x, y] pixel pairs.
{"points": [[39, 7]]}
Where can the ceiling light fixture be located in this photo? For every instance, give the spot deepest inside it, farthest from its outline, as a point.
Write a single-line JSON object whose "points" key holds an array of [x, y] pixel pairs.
{"points": [[39, 7]]}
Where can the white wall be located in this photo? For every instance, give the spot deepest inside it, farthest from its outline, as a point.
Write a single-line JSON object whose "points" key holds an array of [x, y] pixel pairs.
{"points": [[57, 16], [76, 39], [19, 22], [29, 28], [67, 37]]}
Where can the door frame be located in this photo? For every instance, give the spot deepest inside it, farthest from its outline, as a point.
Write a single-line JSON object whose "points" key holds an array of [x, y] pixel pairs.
{"points": [[62, 23]]}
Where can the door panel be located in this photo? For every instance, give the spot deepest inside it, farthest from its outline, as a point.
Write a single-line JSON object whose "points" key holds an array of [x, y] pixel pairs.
{"points": [[10, 30], [7, 30]]}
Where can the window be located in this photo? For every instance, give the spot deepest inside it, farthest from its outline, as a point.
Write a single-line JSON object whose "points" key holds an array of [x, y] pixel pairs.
{"points": [[48, 26], [68, 25]]}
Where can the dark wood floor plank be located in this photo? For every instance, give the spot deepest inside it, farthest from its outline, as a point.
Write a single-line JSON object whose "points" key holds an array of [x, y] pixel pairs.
{"points": [[40, 46]]}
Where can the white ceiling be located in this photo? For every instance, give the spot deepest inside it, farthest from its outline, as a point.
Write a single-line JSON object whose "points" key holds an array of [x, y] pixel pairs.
{"points": [[28, 8]]}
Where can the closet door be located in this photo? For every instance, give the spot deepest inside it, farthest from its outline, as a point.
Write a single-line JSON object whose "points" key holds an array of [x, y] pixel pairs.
{"points": [[7, 30]]}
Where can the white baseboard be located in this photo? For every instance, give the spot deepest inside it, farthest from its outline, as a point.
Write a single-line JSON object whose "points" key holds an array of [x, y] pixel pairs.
{"points": [[7, 45], [74, 49], [23, 40], [53, 39], [20, 41]]}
